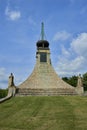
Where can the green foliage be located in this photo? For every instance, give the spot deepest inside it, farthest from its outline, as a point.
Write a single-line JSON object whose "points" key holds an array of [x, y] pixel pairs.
{"points": [[3, 93], [44, 113], [85, 81], [71, 80]]}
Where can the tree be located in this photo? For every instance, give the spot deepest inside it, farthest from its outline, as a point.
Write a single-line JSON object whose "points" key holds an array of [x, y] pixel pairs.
{"points": [[71, 80], [85, 81], [3, 93]]}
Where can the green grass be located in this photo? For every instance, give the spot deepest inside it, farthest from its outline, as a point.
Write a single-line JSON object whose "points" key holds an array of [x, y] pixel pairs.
{"points": [[44, 113]]}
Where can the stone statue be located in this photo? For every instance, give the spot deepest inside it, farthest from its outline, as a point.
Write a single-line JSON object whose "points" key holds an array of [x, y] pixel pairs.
{"points": [[79, 83], [79, 87], [11, 86], [11, 80]]}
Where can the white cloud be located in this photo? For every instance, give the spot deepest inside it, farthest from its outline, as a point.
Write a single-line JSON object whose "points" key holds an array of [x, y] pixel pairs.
{"points": [[2, 72], [12, 14], [63, 35], [65, 52], [79, 45], [3, 78], [67, 65]]}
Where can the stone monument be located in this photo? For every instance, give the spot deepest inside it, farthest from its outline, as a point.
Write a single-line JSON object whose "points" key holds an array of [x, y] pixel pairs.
{"points": [[44, 80]]}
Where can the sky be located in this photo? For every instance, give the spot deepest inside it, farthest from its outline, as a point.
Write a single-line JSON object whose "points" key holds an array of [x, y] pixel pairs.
{"points": [[65, 25]]}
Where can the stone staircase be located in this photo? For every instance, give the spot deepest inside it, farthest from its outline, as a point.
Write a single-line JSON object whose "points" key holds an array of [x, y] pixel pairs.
{"points": [[44, 92]]}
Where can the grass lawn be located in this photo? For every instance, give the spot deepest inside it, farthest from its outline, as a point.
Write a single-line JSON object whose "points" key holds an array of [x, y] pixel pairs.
{"points": [[44, 113]]}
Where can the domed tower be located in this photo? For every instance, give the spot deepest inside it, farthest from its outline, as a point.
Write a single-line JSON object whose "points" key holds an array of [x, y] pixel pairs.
{"points": [[44, 80], [43, 51]]}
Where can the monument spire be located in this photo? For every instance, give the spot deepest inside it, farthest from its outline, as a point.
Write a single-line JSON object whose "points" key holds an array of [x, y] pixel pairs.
{"points": [[42, 31], [44, 80]]}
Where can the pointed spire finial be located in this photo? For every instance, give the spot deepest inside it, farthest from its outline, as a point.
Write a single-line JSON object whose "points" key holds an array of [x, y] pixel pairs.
{"points": [[42, 31]]}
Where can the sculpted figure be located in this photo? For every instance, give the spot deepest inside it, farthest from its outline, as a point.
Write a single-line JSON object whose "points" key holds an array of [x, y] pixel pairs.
{"points": [[11, 80], [79, 83]]}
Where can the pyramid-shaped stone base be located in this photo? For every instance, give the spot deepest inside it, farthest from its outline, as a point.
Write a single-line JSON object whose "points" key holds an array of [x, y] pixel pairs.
{"points": [[44, 81]]}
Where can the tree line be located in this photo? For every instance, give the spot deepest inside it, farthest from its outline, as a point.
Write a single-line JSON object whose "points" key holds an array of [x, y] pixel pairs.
{"points": [[3, 93], [73, 80]]}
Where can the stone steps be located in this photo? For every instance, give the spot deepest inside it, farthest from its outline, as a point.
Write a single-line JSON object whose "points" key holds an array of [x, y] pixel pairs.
{"points": [[44, 92]]}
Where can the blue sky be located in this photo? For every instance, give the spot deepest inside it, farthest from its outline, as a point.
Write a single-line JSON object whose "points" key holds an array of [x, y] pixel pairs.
{"points": [[20, 27]]}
